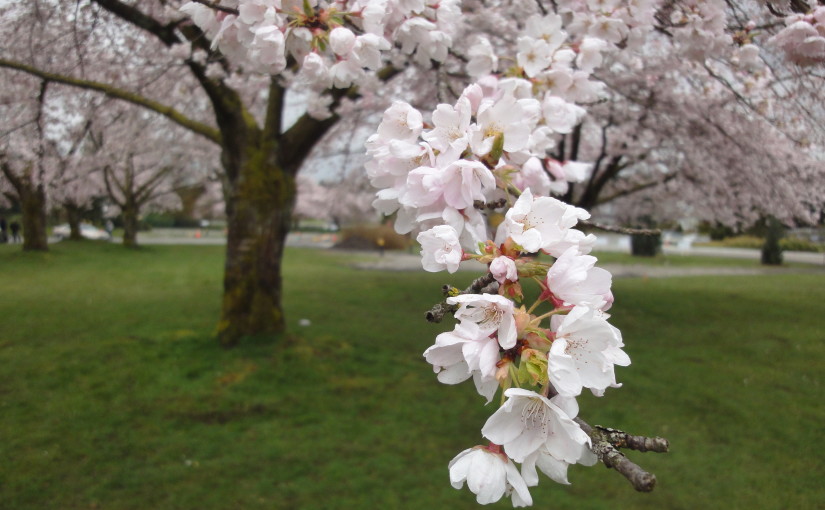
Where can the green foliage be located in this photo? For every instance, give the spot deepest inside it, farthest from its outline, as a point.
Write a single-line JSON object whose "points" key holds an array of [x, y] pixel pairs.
{"points": [[799, 244], [756, 243], [114, 394]]}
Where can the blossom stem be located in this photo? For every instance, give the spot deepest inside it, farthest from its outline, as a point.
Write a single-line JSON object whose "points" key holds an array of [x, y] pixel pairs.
{"points": [[555, 311], [535, 304]]}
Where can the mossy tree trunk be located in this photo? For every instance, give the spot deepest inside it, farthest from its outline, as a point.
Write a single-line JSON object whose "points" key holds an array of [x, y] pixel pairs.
{"points": [[32, 198], [74, 215], [131, 223], [33, 207], [260, 165], [259, 212]]}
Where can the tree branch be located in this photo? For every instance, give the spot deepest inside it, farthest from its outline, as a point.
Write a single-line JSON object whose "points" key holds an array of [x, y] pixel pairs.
{"points": [[107, 177], [621, 439], [224, 99], [634, 189], [299, 139], [274, 110], [124, 95], [622, 230], [482, 284], [611, 457], [215, 6]]}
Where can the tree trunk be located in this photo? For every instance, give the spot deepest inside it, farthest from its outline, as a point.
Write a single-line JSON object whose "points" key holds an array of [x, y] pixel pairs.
{"points": [[33, 206], [130, 226], [74, 215], [259, 207]]}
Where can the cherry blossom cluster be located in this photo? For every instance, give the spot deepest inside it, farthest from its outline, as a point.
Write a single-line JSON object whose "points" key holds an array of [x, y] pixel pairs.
{"points": [[335, 41], [803, 39], [493, 138], [478, 152], [560, 56], [481, 158]]}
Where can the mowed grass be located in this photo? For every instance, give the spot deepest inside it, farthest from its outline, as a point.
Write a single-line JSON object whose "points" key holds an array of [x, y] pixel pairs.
{"points": [[114, 395]]}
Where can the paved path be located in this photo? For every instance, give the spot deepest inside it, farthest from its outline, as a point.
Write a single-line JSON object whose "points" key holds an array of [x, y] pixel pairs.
{"points": [[395, 261], [403, 261]]}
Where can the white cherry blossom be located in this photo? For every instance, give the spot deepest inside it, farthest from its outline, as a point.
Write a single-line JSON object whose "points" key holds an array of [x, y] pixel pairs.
{"points": [[466, 351], [341, 40], [504, 117], [584, 352], [528, 421], [546, 28], [554, 468], [542, 223], [401, 122], [534, 55], [465, 181], [560, 115], [483, 59], [489, 475], [574, 280], [493, 313], [440, 249], [451, 126]]}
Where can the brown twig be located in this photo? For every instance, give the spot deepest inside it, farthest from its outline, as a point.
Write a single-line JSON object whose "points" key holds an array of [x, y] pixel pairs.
{"points": [[214, 5], [621, 439], [481, 284], [606, 444], [622, 230]]}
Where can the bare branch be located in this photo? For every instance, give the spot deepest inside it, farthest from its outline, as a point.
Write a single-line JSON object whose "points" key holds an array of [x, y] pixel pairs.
{"points": [[125, 95], [621, 439], [611, 457], [215, 6], [636, 188], [622, 230]]}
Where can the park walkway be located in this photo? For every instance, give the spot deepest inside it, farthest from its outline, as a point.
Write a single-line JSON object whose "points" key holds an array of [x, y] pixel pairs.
{"points": [[410, 261], [401, 261]]}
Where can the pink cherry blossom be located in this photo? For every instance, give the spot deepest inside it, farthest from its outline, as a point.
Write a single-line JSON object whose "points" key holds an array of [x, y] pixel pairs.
{"points": [[440, 249], [504, 269]]}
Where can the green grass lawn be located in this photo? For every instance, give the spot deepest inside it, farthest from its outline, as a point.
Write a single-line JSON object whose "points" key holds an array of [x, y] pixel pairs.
{"points": [[114, 395]]}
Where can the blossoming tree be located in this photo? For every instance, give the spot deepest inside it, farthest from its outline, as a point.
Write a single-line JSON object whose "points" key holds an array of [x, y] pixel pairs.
{"points": [[331, 50], [45, 156]]}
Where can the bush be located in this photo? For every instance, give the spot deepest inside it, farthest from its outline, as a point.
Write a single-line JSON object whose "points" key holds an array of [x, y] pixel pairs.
{"points": [[799, 244], [756, 243], [369, 237]]}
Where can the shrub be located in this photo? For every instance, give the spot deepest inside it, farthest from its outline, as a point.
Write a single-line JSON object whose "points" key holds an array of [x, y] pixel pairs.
{"points": [[369, 237], [756, 243], [799, 244]]}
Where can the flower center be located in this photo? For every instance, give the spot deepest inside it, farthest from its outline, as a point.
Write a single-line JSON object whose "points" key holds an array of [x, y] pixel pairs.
{"points": [[533, 415], [492, 314]]}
